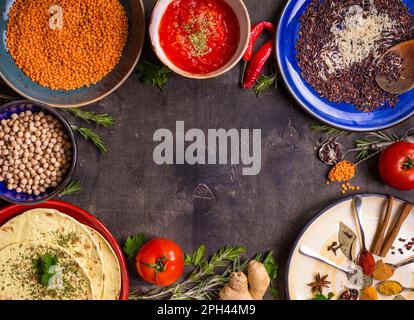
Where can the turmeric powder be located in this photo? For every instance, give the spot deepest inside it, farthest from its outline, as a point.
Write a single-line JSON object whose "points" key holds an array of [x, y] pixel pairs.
{"points": [[85, 49], [390, 288]]}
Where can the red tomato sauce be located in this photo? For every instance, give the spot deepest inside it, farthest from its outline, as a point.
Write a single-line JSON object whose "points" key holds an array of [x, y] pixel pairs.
{"points": [[199, 36]]}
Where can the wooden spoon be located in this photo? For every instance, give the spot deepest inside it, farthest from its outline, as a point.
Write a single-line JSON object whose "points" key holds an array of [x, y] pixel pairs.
{"points": [[406, 81]]}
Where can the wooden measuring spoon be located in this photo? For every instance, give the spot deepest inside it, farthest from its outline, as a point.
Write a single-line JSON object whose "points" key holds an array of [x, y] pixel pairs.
{"points": [[406, 80]]}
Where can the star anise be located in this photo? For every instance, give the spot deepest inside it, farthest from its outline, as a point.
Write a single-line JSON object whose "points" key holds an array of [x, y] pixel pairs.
{"points": [[319, 283]]}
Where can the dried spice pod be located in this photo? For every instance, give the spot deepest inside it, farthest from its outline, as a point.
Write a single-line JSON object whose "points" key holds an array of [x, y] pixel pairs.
{"points": [[331, 152]]}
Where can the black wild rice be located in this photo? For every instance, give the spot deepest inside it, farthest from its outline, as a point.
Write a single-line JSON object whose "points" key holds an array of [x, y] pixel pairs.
{"points": [[390, 66], [354, 84]]}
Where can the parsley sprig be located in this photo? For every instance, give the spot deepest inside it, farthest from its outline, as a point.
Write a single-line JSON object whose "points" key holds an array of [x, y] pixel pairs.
{"points": [[133, 244], [153, 74], [42, 265]]}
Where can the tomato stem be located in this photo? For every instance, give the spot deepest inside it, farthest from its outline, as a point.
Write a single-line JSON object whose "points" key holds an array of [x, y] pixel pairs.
{"points": [[409, 162]]}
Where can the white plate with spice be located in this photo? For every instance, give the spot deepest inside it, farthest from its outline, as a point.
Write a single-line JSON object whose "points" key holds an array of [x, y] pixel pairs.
{"points": [[322, 231]]}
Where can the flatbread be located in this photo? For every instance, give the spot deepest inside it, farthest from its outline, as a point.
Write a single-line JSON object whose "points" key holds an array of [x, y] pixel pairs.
{"points": [[19, 279], [51, 226], [111, 267]]}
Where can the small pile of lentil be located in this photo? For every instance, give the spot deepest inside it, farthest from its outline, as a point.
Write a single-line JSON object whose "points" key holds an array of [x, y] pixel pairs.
{"points": [[342, 171], [35, 152], [340, 42], [81, 53]]}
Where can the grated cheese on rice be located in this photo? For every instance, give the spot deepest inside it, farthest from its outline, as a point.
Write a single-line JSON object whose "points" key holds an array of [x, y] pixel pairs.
{"points": [[360, 35]]}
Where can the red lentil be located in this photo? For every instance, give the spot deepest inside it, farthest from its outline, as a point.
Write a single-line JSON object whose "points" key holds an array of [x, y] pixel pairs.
{"points": [[85, 50]]}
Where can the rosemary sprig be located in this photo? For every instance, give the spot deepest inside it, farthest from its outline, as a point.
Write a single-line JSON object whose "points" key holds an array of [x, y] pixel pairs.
{"points": [[324, 128], [93, 137], [102, 119], [8, 98], [73, 188], [373, 138], [264, 83]]}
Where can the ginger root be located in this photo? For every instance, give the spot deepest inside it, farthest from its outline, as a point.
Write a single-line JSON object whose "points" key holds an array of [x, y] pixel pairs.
{"points": [[237, 288], [250, 287], [258, 279]]}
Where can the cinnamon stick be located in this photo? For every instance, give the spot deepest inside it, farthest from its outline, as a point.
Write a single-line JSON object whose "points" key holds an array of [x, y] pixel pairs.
{"points": [[396, 229], [382, 228]]}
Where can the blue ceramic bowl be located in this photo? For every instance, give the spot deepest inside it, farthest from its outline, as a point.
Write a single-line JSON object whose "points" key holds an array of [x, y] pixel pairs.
{"points": [[22, 198], [340, 115], [17, 80]]}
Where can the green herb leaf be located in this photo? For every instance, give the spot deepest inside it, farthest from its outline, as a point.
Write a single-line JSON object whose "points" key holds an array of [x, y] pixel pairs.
{"points": [[264, 83], [133, 244], [153, 74], [271, 266], [320, 296], [273, 292], [370, 139], [93, 137], [102, 119], [323, 128], [73, 188], [42, 265], [197, 257], [188, 259]]}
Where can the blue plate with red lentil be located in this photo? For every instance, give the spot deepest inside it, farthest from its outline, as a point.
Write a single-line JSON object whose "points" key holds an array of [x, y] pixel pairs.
{"points": [[22, 84], [329, 67]]}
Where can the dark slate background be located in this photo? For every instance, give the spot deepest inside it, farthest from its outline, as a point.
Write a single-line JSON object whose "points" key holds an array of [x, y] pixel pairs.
{"points": [[130, 194]]}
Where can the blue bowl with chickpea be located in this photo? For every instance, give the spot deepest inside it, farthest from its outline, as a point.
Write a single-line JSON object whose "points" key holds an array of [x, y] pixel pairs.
{"points": [[38, 152]]}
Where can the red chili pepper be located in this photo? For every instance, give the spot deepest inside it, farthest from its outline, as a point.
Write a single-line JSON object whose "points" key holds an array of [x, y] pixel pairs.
{"points": [[255, 33], [256, 65]]}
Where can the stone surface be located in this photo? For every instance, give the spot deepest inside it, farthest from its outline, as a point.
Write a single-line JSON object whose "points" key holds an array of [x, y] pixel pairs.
{"points": [[130, 194]]}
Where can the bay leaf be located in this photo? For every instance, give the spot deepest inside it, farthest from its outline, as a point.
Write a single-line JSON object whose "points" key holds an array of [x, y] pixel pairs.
{"points": [[347, 240]]}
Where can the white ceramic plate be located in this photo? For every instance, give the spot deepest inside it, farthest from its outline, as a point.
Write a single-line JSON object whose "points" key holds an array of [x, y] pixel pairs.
{"points": [[323, 230]]}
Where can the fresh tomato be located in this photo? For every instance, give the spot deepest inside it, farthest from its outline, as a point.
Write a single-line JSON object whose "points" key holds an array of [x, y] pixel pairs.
{"points": [[396, 165], [160, 261]]}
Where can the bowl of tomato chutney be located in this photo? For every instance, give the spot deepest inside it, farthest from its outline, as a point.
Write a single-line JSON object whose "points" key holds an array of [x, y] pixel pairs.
{"points": [[200, 38]]}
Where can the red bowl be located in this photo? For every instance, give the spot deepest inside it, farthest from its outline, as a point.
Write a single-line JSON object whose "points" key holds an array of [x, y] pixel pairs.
{"points": [[82, 216]]}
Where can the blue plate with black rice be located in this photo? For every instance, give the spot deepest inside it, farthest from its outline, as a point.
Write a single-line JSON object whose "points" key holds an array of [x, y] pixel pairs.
{"points": [[335, 111]]}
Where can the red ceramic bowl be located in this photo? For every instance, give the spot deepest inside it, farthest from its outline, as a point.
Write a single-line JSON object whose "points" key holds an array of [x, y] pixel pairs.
{"points": [[83, 217]]}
